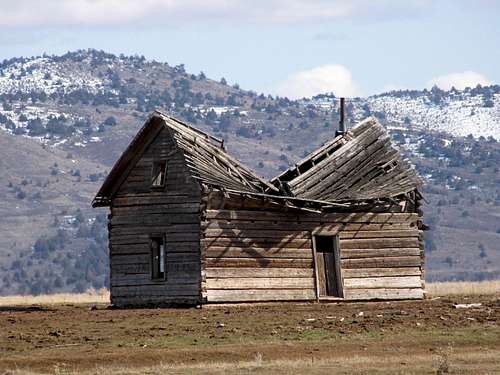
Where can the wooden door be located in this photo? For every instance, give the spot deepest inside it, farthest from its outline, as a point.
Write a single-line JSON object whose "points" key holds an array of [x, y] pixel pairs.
{"points": [[329, 282]]}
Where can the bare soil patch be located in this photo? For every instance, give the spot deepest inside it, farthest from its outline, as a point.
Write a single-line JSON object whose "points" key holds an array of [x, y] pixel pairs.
{"points": [[393, 337]]}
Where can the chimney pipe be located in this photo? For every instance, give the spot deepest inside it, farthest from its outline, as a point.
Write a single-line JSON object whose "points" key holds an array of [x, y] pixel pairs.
{"points": [[341, 120]]}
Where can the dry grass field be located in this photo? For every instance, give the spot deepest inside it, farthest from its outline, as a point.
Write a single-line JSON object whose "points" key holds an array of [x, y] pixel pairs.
{"points": [[89, 297], [463, 288], [81, 335], [458, 288]]}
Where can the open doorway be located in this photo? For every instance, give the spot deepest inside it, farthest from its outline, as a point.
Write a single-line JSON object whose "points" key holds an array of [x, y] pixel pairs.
{"points": [[327, 263]]}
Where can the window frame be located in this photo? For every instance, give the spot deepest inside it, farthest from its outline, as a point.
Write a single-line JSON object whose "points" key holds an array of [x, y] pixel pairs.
{"points": [[156, 273], [157, 167], [337, 260]]}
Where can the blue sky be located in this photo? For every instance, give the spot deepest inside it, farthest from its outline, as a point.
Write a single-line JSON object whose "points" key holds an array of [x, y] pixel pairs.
{"points": [[287, 47]]}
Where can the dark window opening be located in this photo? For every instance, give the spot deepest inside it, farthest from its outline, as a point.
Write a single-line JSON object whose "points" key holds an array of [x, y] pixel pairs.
{"points": [[159, 173], [158, 258]]}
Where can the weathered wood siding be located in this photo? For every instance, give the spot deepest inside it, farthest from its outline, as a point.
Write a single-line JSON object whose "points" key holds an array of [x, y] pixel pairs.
{"points": [[137, 212], [268, 256]]}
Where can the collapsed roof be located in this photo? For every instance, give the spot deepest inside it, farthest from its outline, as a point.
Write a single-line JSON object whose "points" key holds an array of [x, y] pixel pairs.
{"points": [[358, 166]]}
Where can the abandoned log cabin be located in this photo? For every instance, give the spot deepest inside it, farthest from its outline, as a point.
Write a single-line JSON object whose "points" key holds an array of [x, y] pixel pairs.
{"points": [[190, 224]]}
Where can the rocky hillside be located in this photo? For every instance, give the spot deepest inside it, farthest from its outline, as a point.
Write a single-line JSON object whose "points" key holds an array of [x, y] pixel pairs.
{"points": [[64, 120]]}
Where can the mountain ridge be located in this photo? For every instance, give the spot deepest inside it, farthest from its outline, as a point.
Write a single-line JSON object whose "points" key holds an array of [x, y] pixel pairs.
{"points": [[65, 120]]}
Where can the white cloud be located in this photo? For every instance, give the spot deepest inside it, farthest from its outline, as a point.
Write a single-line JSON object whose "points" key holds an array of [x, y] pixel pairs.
{"points": [[459, 80], [166, 12], [320, 80]]}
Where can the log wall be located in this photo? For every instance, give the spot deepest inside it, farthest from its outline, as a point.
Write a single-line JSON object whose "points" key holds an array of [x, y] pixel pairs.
{"points": [[268, 256], [137, 212]]}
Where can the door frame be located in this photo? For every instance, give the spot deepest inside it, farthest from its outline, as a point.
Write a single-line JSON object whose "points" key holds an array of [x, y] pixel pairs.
{"points": [[336, 257]]}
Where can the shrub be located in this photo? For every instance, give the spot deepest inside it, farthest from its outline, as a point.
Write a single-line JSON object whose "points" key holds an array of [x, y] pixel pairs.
{"points": [[110, 121], [36, 127], [488, 103], [20, 194], [244, 132]]}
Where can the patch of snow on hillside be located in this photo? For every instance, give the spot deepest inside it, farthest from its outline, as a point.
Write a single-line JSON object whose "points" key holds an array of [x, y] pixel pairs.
{"points": [[42, 75], [458, 115]]}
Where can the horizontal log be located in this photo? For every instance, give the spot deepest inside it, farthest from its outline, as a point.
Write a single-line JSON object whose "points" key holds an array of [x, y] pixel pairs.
{"points": [[247, 204], [258, 272], [130, 269], [173, 176], [248, 233], [253, 252], [145, 279], [258, 263], [120, 249], [140, 300], [249, 295], [387, 252], [380, 272], [116, 260], [262, 243], [326, 217], [358, 230], [146, 258], [155, 194], [379, 243], [387, 262], [153, 199], [260, 283], [383, 282], [135, 239], [144, 248], [169, 188], [156, 290], [171, 235], [183, 267], [182, 257], [133, 229], [192, 208], [363, 294], [157, 219], [183, 247], [384, 233]]}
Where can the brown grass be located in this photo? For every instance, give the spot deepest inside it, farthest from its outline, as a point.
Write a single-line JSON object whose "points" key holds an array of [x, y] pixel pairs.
{"points": [[474, 361], [463, 288], [398, 337], [89, 297]]}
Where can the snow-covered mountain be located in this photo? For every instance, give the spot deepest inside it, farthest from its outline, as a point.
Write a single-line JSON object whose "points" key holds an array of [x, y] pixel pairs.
{"points": [[92, 77], [460, 113]]}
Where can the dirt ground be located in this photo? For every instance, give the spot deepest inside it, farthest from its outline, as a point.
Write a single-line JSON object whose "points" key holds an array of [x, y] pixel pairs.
{"points": [[405, 337]]}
